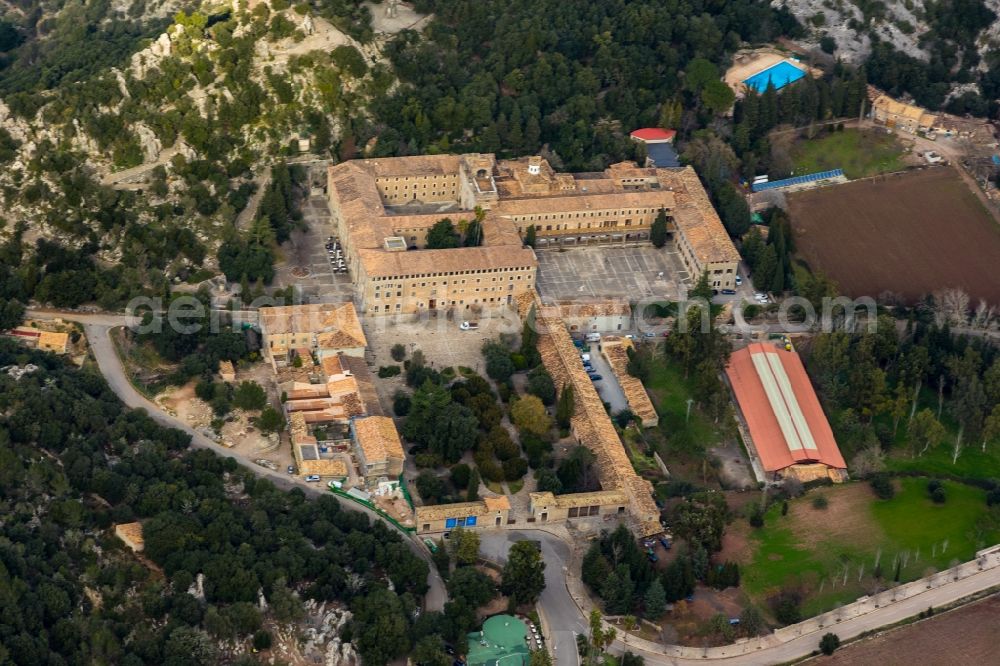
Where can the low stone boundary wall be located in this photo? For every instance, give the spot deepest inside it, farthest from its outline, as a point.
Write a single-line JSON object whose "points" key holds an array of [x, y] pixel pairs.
{"points": [[986, 560]]}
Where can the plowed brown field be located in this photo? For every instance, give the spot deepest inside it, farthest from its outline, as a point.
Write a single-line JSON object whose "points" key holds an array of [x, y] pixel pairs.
{"points": [[911, 234], [961, 637]]}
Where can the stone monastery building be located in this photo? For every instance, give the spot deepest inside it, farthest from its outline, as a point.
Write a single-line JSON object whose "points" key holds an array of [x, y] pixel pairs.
{"points": [[383, 208]]}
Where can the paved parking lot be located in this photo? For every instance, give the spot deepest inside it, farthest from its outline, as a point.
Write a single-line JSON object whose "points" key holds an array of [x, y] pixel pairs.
{"points": [[628, 273], [607, 387], [307, 248]]}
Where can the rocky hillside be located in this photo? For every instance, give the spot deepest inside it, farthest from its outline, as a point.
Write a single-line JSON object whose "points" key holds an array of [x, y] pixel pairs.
{"points": [[908, 25], [189, 116]]}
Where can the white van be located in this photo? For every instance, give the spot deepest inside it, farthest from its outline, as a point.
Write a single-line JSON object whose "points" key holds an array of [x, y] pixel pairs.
{"points": [[593, 337]]}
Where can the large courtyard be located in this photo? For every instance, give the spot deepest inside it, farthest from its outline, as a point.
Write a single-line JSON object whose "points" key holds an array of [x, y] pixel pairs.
{"points": [[630, 273]]}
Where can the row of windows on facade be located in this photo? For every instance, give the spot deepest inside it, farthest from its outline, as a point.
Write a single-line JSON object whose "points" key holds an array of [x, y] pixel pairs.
{"points": [[593, 213], [584, 511], [444, 283], [404, 195], [413, 294], [610, 224], [387, 179], [443, 303], [478, 271]]}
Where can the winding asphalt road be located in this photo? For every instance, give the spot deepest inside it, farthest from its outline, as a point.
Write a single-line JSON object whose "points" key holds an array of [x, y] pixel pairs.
{"points": [[561, 617], [98, 328]]}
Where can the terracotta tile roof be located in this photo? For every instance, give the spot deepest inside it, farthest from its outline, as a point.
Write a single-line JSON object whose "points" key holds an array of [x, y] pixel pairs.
{"points": [[331, 365], [378, 263], [315, 405], [500, 503], [335, 325], [415, 165], [299, 431], [366, 385], [304, 391], [323, 467], [786, 423], [131, 535], [346, 393], [53, 340], [458, 510], [616, 351], [575, 500], [566, 202], [696, 218], [591, 424], [890, 106], [378, 439], [572, 309], [44, 339]]}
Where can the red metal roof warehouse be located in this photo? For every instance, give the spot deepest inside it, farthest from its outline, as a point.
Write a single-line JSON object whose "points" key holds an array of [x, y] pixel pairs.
{"points": [[781, 410]]}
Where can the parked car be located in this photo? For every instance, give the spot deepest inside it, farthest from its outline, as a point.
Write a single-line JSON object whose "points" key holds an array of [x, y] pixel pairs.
{"points": [[593, 337], [739, 281], [469, 326], [291, 469], [334, 485], [596, 378], [649, 334], [665, 542], [585, 357], [728, 292], [312, 478]]}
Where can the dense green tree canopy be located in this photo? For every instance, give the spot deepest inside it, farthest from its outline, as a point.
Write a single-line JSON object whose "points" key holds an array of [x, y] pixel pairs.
{"points": [[75, 462]]}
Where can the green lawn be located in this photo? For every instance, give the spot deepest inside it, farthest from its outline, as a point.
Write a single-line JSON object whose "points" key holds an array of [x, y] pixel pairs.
{"points": [[909, 526], [858, 153], [972, 463], [670, 392], [911, 521]]}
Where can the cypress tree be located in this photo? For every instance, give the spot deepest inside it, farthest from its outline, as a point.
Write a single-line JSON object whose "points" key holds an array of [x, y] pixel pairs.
{"points": [[529, 236], [658, 232], [473, 492], [565, 406]]}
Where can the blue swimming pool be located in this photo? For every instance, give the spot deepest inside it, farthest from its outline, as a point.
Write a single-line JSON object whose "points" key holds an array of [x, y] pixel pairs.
{"points": [[780, 75]]}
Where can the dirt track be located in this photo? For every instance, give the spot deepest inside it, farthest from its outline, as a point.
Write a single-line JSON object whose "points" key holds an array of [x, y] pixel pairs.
{"points": [[911, 234], [963, 636]]}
